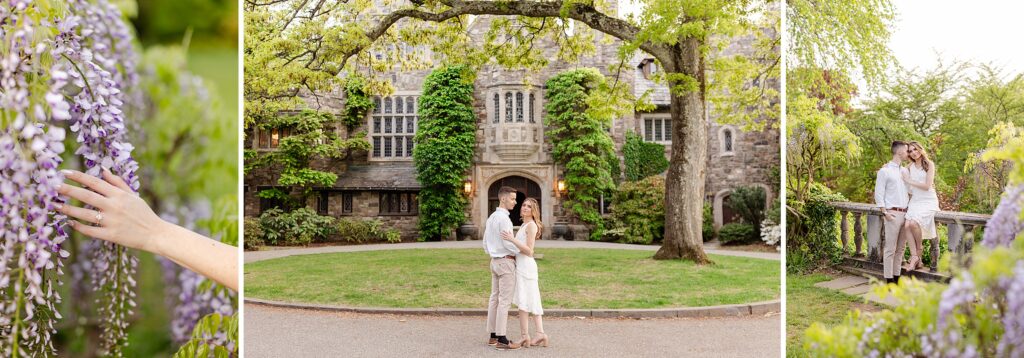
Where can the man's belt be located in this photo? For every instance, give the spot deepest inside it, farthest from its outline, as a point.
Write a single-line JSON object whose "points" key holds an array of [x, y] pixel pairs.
{"points": [[513, 257], [902, 210]]}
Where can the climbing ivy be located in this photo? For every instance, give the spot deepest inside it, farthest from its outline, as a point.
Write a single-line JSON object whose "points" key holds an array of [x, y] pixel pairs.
{"points": [[310, 138], [357, 103], [579, 116], [444, 149], [643, 159]]}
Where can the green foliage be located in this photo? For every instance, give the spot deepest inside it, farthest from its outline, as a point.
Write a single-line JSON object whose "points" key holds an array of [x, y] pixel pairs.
{"points": [[748, 202], [299, 227], [915, 312], [816, 127], [638, 211], [252, 234], [643, 159], [362, 231], [579, 131], [737, 233], [812, 241], [842, 35], [170, 20], [444, 148], [708, 223], [357, 102], [311, 139], [202, 343]]}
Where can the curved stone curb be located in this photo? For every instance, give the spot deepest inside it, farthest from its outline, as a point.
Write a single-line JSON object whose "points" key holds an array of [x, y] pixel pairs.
{"points": [[254, 256], [738, 310]]}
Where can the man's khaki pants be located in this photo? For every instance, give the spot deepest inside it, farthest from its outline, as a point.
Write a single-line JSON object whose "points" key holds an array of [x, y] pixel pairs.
{"points": [[503, 288], [895, 244]]}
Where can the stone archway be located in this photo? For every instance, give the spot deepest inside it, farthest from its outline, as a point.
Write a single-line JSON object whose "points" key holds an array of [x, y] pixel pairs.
{"points": [[722, 213], [525, 188]]}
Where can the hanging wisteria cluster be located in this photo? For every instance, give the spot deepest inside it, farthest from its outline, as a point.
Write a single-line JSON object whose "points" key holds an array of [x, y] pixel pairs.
{"points": [[92, 62], [187, 296]]}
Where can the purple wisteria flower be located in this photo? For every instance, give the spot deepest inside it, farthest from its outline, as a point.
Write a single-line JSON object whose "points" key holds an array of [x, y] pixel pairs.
{"points": [[1005, 224], [946, 339], [31, 142]]}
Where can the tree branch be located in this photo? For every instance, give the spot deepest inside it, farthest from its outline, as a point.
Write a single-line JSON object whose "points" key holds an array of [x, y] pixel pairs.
{"points": [[584, 13]]}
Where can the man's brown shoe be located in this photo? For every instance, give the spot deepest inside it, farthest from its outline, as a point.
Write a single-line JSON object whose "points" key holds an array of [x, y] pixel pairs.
{"points": [[492, 342], [510, 346]]}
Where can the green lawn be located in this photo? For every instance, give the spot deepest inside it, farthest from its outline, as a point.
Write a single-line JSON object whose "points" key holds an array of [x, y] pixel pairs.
{"points": [[460, 278], [806, 304]]}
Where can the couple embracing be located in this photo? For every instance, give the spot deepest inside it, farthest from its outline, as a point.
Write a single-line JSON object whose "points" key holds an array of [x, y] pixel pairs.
{"points": [[513, 271], [906, 195]]}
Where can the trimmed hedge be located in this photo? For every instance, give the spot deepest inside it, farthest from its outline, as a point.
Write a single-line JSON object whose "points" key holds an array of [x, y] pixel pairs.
{"points": [[361, 231], [736, 233], [299, 227]]}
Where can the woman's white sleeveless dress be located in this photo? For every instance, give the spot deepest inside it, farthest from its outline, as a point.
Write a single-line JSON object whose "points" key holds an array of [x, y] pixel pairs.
{"points": [[527, 296], [923, 203]]}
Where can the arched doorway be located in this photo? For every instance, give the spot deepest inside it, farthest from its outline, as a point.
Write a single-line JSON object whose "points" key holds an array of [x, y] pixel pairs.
{"points": [[728, 214], [524, 188]]}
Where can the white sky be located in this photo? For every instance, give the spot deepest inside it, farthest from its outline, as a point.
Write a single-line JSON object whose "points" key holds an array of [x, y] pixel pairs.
{"points": [[979, 31]]}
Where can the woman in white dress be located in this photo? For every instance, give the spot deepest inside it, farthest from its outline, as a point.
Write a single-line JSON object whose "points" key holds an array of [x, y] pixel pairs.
{"points": [[527, 297], [924, 203]]}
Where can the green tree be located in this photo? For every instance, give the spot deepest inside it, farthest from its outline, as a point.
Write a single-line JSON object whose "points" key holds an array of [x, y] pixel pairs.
{"points": [[301, 46], [444, 149], [848, 36]]}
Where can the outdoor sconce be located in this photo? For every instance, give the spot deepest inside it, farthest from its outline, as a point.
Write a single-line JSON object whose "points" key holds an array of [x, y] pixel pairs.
{"points": [[467, 187], [559, 187]]}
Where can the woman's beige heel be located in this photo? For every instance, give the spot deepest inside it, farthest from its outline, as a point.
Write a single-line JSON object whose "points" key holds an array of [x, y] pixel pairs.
{"points": [[542, 340], [525, 342]]}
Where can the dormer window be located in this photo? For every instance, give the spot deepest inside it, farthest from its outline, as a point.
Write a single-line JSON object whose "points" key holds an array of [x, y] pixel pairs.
{"points": [[649, 68]]}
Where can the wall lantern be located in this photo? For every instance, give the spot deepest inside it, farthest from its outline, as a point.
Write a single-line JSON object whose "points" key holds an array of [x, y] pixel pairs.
{"points": [[467, 187], [559, 187]]}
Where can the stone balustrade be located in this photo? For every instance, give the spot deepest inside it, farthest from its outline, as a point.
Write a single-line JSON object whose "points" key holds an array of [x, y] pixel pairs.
{"points": [[960, 231]]}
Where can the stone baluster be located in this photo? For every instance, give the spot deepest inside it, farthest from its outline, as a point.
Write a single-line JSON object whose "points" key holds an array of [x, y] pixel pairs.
{"points": [[967, 244], [934, 265], [874, 238], [858, 234], [844, 226], [955, 234]]}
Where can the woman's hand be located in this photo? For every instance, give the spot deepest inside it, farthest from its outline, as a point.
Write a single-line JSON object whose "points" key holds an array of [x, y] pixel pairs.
{"points": [[118, 214], [507, 236], [906, 176], [122, 217]]}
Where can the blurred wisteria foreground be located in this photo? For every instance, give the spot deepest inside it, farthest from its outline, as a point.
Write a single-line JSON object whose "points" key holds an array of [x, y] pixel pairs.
{"points": [[76, 91], [979, 313]]}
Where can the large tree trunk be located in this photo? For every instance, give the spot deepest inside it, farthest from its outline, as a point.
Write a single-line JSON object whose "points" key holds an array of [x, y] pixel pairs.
{"points": [[684, 186]]}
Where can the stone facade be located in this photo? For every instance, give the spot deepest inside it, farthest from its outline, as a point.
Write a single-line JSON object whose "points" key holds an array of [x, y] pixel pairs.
{"points": [[516, 150]]}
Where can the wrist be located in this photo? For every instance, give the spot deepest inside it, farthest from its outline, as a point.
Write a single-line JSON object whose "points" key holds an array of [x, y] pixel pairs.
{"points": [[155, 242]]}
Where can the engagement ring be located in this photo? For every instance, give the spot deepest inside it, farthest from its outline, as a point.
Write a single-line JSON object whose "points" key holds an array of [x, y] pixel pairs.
{"points": [[99, 218]]}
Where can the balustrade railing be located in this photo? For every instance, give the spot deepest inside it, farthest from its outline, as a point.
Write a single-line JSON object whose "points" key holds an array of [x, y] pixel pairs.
{"points": [[960, 231]]}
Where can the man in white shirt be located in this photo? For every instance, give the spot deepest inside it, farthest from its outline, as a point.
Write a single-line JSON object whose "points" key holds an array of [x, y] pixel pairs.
{"points": [[503, 269], [892, 197]]}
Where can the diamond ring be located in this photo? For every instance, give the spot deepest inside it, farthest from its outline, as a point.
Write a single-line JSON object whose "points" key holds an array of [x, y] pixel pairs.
{"points": [[99, 218]]}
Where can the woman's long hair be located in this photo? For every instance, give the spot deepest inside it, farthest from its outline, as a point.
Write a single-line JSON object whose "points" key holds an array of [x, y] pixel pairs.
{"points": [[923, 161], [535, 212]]}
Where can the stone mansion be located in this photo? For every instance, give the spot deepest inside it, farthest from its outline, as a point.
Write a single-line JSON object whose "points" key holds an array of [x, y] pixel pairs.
{"points": [[511, 147]]}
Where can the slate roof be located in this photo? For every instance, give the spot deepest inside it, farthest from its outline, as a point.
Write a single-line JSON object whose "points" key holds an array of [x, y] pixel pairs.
{"points": [[379, 176]]}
